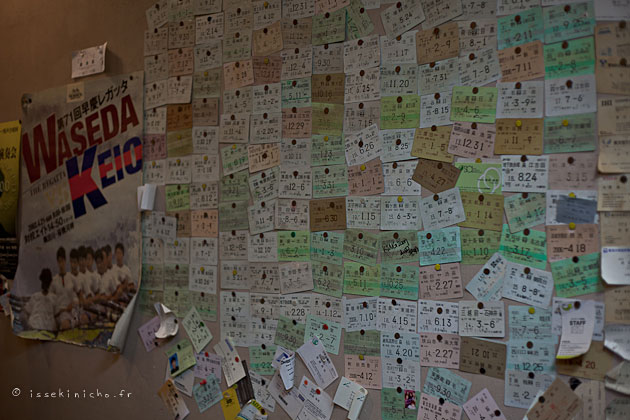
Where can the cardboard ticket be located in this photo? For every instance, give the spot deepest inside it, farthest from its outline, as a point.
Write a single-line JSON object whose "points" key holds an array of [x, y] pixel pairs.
{"points": [[521, 387], [358, 116], [327, 247], [613, 154], [398, 179], [363, 212], [529, 323], [238, 74], [364, 370], [525, 173], [402, 212], [526, 355], [483, 406], [443, 209], [435, 176], [616, 310], [362, 85], [481, 319], [400, 345], [570, 58], [297, 32], [330, 181], [570, 95], [436, 109], [476, 35], [565, 242], [440, 350], [399, 247], [440, 246], [438, 43], [443, 383], [479, 245], [366, 178], [179, 143], [297, 62], [573, 171], [328, 214], [471, 9], [615, 228], [471, 140], [525, 210], [487, 284], [329, 27], [363, 53], [432, 143], [401, 49], [327, 278], [438, 76], [613, 193], [328, 59], [522, 62], [359, 22], [398, 112], [327, 150], [440, 282], [520, 28], [294, 245], [474, 104], [579, 18], [573, 133], [557, 402], [267, 69], [361, 246], [401, 17], [207, 84], [438, 316], [612, 118], [399, 371], [479, 68], [434, 407], [399, 281], [483, 211], [482, 356], [361, 279], [519, 136]]}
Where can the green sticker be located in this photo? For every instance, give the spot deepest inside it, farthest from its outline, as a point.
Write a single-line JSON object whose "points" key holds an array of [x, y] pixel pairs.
{"points": [[399, 247], [294, 245], [525, 210], [234, 158], [327, 150], [367, 342], [233, 216], [329, 28], [329, 332], [178, 197], [570, 133], [260, 359], [520, 28], [577, 276], [440, 246], [570, 58], [361, 246], [296, 93], [327, 278], [528, 247], [290, 333], [400, 112], [361, 279], [393, 404], [327, 247], [484, 178], [330, 181], [474, 104], [565, 22], [399, 281], [479, 245], [234, 187]]}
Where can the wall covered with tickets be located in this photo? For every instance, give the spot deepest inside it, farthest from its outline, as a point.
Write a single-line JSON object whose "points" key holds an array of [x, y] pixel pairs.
{"points": [[386, 210], [426, 188]]}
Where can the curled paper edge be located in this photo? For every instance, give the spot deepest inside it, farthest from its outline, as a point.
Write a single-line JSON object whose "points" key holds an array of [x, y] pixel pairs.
{"points": [[168, 323]]}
